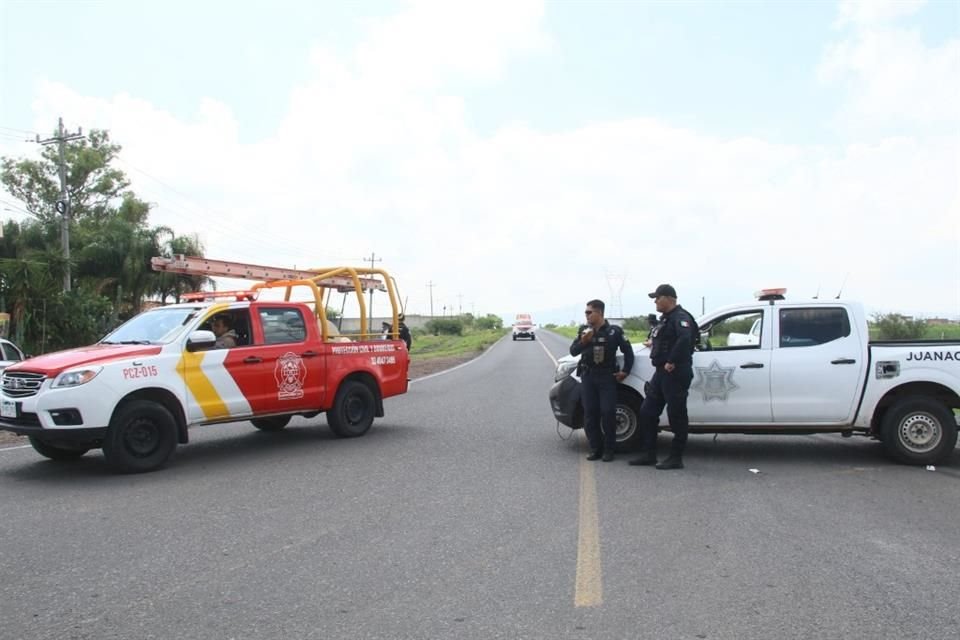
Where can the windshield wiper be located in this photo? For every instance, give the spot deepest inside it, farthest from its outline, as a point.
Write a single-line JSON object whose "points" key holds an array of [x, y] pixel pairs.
{"points": [[127, 342]]}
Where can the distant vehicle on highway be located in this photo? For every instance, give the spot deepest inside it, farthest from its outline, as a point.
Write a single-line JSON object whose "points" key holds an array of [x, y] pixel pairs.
{"points": [[523, 327]]}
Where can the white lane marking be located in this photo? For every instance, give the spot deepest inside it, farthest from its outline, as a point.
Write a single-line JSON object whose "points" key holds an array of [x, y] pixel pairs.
{"points": [[459, 366], [549, 355], [21, 446]]}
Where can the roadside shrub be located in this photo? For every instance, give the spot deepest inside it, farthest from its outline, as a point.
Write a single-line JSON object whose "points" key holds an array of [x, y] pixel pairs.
{"points": [[893, 326], [445, 326], [489, 321]]}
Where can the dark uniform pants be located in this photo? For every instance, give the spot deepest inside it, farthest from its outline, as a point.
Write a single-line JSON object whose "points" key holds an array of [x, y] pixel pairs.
{"points": [[670, 390], [599, 392]]}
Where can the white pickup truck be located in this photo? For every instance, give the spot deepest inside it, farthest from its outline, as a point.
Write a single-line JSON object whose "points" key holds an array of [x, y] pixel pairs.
{"points": [[808, 367]]}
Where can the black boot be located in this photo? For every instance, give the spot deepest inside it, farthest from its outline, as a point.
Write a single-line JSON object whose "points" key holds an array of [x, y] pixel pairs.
{"points": [[596, 454], [646, 459], [671, 462], [608, 455]]}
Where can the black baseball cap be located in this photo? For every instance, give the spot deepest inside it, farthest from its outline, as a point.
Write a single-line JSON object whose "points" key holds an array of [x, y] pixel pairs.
{"points": [[664, 290]]}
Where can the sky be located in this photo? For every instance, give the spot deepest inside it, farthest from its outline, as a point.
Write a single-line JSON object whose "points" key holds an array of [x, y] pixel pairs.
{"points": [[526, 156]]}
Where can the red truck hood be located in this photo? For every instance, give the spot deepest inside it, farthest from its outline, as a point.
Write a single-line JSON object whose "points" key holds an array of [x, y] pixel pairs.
{"points": [[53, 363]]}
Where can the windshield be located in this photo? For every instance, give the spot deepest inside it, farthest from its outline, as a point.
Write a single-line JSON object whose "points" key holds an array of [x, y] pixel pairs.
{"points": [[159, 326]]}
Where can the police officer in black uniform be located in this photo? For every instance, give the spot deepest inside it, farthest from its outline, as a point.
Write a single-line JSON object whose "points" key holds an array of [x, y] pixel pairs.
{"points": [[404, 332], [596, 344], [671, 351]]}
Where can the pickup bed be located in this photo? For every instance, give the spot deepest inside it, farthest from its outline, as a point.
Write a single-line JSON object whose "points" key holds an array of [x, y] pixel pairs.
{"points": [[807, 367]]}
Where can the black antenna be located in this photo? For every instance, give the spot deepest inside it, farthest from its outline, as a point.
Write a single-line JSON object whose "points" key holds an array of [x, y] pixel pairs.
{"points": [[842, 285], [817, 295]]}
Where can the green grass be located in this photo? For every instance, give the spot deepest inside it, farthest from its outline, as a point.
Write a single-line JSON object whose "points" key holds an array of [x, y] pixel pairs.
{"points": [[942, 332], [636, 337], [430, 346]]}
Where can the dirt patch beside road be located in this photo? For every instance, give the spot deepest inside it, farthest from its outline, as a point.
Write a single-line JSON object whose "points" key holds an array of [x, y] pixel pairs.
{"points": [[426, 366], [7, 438]]}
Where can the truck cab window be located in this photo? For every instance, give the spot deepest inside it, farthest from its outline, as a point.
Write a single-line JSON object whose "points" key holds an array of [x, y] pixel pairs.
{"points": [[810, 327], [741, 330], [282, 325]]}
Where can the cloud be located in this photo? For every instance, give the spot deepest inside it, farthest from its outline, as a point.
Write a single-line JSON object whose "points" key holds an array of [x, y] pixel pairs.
{"points": [[889, 75], [874, 12], [376, 153]]}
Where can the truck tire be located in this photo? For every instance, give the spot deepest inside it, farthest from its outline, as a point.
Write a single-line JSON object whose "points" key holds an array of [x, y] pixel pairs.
{"points": [[353, 410], [628, 421], [57, 453], [142, 437], [919, 431], [273, 423]]}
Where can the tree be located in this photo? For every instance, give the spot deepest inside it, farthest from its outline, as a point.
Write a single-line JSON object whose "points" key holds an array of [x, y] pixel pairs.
{"points": [[111, 243], [92, 184]]}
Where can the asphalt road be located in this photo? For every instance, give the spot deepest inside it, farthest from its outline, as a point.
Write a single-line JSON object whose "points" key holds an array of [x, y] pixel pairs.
{"points": [[462, 514]]}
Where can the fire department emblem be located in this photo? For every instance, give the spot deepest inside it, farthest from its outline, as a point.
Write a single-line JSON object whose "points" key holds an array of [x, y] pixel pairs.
{"points": [[290, 374], [714, 382]]}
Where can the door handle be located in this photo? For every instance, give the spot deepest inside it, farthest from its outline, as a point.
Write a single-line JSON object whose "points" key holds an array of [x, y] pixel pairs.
{"points": [[843, 361], [752, 365], [310, 354], [252, 360]]}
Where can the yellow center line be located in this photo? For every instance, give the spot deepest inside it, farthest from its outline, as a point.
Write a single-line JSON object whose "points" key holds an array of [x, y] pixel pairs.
{"points": [[589, 583], [589, 586]]}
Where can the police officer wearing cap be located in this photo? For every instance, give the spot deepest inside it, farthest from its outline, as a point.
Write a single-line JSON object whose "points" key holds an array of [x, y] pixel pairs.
{"points": [[671, 345], [596, 344]]}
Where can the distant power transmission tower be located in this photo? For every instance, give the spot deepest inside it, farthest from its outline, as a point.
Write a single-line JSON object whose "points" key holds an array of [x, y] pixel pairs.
{"points": [[616, 282]]}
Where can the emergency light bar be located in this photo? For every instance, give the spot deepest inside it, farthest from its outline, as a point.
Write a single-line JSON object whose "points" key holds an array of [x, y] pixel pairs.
{"points": [[778, 293], [200, 296]]}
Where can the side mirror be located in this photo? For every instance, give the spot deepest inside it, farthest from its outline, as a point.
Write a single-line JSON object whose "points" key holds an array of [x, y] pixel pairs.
{"points": [[199, 340], [703, 343]]}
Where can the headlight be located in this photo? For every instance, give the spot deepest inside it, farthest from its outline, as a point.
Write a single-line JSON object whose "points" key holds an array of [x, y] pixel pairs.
{"points": [[77, 377], [564, 369]]}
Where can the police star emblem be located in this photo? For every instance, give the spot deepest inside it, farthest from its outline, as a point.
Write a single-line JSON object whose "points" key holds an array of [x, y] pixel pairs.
{"points": [[714, 382]]}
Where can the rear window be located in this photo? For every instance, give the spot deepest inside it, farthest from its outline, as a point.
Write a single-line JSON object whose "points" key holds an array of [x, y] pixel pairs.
{"points": [[282, 325], [810, 327]]}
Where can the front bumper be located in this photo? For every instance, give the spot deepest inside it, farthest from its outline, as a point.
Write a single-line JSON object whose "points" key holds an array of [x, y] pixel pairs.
{"points": [[24, 428], [565, 402]]}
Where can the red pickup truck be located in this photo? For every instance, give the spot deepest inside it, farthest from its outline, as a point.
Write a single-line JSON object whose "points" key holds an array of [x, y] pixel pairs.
{"points": [[137, 391]]}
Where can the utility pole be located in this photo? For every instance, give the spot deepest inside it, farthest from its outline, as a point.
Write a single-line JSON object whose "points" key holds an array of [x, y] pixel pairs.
{"points": [[430, 286], [373, 258], [63, 204], [460, 304]]}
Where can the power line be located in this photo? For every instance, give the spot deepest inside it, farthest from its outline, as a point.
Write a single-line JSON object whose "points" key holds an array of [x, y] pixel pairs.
{"points": [[189, 209], [29, 131]]}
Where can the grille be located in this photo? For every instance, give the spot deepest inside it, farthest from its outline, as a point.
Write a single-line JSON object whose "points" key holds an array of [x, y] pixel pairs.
{"points": [[20, 384]]}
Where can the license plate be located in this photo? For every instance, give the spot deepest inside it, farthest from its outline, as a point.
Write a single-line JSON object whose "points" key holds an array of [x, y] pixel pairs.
{"points": [[8, 409]]}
